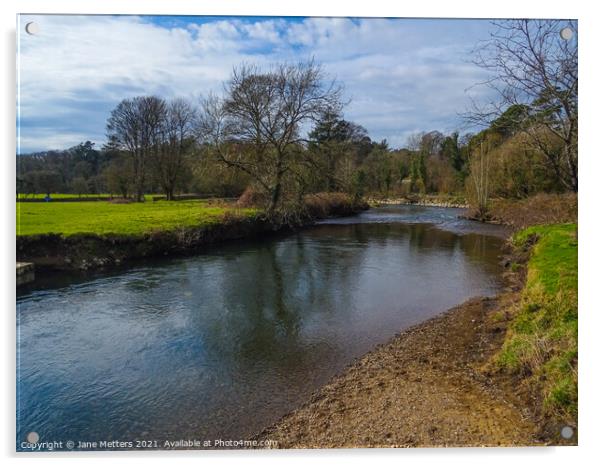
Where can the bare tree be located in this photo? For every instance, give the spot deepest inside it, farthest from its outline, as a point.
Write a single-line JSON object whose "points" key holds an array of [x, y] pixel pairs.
{"points": [[534, 67], [176, 142], [135, 126], [118, 174], [257, 127], [479, 173], [79, 185]]}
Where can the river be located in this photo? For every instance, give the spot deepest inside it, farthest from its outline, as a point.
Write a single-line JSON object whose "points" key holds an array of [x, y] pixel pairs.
{"points": [[222, 344]]}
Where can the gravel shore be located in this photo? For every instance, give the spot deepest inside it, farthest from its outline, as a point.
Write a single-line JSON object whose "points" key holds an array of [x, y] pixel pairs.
{"points": [[430, 386]]}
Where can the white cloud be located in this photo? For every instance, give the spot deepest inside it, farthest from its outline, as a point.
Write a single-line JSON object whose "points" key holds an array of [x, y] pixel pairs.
{"points": [[400, 74], [265, 30]]}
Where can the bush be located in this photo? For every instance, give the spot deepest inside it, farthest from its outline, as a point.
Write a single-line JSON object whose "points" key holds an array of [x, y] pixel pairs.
{"points": [[321, 205], [252, 197], [541, 209]]}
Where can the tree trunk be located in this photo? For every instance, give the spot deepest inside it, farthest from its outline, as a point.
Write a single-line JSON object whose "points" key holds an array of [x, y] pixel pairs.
{"points": [[139, 194], [572, 162], [331, 169], [275, 198], [277, 187]]}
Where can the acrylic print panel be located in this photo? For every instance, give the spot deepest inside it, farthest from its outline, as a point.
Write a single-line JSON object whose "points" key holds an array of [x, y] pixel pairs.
{"points": [[273, 232]]}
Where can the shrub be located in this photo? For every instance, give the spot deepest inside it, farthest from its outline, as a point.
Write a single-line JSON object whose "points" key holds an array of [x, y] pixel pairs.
{"points": [[252, 197], [540, 209], [321, 205]]}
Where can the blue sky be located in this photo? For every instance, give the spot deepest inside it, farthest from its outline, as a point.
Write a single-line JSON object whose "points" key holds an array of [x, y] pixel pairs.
{"points": [[401, 75]]}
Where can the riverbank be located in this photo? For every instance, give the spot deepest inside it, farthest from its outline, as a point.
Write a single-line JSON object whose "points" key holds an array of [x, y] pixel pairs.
{"points": [[448, 381], [426, 200], [86, 241], [541, 209], [421, 389]]}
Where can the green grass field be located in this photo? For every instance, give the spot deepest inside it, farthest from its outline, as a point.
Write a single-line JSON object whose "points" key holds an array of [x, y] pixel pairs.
{"points": [[68, 218], [542, 339], [59, 196]]}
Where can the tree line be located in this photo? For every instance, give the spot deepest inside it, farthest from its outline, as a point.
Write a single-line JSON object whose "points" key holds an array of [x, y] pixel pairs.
{"points": [[280, 133]]}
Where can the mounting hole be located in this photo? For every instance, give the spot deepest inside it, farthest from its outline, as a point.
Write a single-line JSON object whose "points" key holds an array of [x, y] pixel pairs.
{"points": [[566, 33], [32, 28], [567, 432]]}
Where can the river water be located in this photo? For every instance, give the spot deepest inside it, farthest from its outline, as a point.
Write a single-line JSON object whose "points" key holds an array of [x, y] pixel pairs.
{"points": [[222, 344]]}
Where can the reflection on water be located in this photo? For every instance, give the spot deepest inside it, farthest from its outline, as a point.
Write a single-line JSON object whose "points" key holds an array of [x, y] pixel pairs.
{"points": [[221, 345]]}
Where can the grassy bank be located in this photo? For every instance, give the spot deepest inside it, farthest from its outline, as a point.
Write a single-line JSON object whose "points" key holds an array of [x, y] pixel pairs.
{"points": [[87, 235], [124, 219], [541, 343]]}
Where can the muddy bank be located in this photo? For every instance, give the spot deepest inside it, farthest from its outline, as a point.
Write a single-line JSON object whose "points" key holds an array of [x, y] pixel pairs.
{"points": [[87, 251], [430, 386]]}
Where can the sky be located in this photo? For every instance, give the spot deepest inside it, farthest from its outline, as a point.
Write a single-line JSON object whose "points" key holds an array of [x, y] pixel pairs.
{"points": [[401, 76]]}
